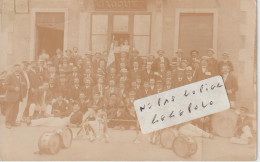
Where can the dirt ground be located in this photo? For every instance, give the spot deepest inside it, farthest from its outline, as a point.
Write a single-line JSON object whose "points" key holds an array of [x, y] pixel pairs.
{"points": [[21, 143]]}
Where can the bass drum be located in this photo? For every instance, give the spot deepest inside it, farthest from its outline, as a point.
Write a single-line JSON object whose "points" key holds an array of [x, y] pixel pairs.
{"points": [[184, 146], [66, 137], [224, 123], [49, 142], [167, 137]]}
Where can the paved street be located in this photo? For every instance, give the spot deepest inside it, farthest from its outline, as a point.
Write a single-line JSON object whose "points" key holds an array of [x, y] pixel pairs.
{"points": [[20, 143]]}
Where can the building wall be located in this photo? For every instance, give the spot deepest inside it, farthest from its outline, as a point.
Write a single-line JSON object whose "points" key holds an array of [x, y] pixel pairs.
{"points": [[235, 31], [235, 34]]}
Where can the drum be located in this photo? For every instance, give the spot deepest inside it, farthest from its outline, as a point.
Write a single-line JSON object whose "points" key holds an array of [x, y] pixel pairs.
{"points": [[167, 137], [224, 123], [184, 146], [49, 142], [66, 137]]}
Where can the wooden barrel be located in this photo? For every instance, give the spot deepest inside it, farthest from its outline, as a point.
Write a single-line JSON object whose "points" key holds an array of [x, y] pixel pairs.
{"points": [[66, 137], [184, 146], [224, 123], [49, 142], [167, 137]]}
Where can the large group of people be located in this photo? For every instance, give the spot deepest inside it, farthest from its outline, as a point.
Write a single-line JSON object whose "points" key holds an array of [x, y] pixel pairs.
{"points": [[71, 84]]}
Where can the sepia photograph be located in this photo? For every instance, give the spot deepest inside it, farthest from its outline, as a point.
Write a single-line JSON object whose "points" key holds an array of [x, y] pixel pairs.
{"points": [[128, 80]]}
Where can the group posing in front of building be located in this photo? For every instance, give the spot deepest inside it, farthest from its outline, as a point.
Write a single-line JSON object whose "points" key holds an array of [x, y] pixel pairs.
{"points": [[83, 88]]}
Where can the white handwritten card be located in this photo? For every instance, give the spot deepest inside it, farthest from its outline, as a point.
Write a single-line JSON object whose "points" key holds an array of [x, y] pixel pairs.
{"points": [[182, 104]]}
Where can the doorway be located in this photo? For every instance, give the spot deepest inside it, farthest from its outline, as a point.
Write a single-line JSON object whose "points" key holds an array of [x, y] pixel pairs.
{"points": [[49, 33]]}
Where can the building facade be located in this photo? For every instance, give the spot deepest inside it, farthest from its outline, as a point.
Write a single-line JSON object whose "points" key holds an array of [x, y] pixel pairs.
{"points": [[27, 26]]}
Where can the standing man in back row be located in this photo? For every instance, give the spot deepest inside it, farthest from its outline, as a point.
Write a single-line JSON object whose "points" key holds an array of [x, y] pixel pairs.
{"points": [[13, 96]]}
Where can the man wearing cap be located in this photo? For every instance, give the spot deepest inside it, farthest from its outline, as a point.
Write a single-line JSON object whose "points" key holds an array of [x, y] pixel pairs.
{"points": [[225, 60], [13, 85], [75, 56], [160, 59], [231, 84]]}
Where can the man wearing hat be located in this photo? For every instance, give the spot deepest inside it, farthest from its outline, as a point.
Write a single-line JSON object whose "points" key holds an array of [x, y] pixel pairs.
{"points": [[57, 59], [213, 63], [180, 79], [136, 70], [160, 59], [204, 71], [13, 85], [100, 88], [225, 60], [44, 55], [147, 73], [87, 88], [62, 88], [25, 90], [189, 75], [96, 60], [179, 54], [243, 133], [135, 58]]}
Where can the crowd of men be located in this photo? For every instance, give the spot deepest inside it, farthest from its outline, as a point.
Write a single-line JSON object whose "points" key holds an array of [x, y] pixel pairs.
{"points": [[51, 86]]}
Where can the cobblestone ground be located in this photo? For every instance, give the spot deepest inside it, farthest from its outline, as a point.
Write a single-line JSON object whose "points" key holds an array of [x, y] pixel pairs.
{"points": [[21, 143]]}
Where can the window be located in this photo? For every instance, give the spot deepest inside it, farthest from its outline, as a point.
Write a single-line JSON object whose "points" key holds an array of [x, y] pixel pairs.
{"points": [[99, 32], [142, 34], [195, 32], [135, 28]]}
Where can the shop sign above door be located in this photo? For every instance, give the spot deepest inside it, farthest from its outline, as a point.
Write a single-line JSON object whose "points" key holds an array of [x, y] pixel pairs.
{"points": [[120, 5]]}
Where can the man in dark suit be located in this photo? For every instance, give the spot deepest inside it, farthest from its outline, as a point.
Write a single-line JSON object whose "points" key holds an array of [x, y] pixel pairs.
{"points": [[74, 90], [100, 88], [204, 71], [147, 73], [25, 90], [146, 89], [135, 71], [87, 88], [160, 59], [152, 86], [13, 95], [231, 84], [136, 58]]}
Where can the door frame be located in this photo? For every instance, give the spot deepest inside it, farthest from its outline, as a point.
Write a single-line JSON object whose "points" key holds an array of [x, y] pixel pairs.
{"points": [[197, 10], [33, 28]]}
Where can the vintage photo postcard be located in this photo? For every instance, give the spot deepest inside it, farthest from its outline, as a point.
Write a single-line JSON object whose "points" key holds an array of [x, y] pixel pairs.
{"points": [[128, 80]]}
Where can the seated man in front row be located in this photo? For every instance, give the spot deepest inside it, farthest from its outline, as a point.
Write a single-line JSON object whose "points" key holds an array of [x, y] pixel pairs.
{"points": [[44, 108], [243, 133]]}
